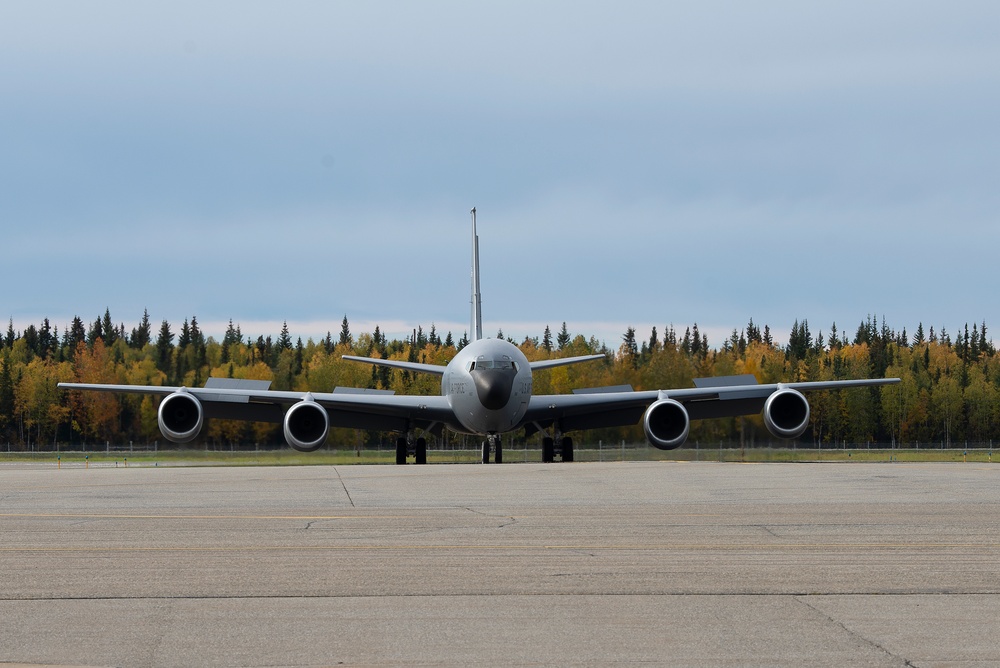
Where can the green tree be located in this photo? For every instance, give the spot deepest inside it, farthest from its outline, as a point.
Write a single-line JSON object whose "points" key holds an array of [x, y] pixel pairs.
{"points": [[563, 338], [6, 395], [142, 335], [345, 334], [284, 339], [165, 349]]}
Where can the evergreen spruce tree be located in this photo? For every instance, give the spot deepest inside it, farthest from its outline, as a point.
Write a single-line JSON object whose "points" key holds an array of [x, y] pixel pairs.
{"points": [[77, 334], [231, 338], [7, 407], [345, 334], [8, 341], [629, 349], [284, 339], [200, 357], [547, 339], [165, 350], [30, 338], [94, 333], [142, 335], [834, 341], [184, 340], [108, 328], [448, 341], [45, 340], [733, 342], [562, 339]]}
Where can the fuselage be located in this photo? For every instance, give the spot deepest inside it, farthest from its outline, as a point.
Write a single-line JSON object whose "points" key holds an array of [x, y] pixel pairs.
{"points": [[488, 385]]}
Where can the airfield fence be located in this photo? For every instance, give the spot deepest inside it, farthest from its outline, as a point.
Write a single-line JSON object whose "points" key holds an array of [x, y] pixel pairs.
{"points": [[468, 450]]}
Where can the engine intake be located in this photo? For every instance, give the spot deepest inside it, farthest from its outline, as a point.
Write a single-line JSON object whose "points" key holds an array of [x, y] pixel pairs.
{"points": [[306, 426], [180, 417], [786, 413], [666, 424]]}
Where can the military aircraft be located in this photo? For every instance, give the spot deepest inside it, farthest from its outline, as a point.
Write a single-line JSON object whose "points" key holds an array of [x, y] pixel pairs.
{"points": [[486, 390]]}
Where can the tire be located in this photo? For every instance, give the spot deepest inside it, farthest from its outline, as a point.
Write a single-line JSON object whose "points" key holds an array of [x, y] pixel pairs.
{"points": [[486, 452], [548, 450], [498, 455], [421, 451], [567, 449], [400, 451]]}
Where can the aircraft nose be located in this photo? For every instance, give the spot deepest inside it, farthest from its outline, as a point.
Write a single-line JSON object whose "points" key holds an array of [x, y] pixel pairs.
{"points": [[494, 387]]}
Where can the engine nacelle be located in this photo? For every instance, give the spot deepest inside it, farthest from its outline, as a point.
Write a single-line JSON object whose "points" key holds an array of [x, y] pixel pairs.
{"points": [[786, 413], [666, 424], [180, 417], [306, 425]]}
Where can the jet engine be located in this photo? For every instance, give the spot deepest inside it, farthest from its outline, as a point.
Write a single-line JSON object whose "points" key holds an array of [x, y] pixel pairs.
{"points": [[306, 425], [786, 414], [666, 424], [180, 417]]}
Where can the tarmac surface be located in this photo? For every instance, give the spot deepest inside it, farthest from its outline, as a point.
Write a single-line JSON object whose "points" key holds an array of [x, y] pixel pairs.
{"points": [[663, 563]]}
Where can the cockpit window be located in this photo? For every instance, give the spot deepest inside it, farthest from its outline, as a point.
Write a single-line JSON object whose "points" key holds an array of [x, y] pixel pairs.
{"points": [[483, 363]]}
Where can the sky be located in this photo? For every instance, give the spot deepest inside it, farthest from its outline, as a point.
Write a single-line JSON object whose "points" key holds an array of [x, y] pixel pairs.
{"points": [[633, 164]]}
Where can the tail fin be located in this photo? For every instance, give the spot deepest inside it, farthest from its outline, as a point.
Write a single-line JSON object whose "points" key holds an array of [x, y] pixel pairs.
{"points": [[477, 298]]}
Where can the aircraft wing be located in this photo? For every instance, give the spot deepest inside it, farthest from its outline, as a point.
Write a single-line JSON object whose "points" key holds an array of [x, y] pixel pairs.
{"points": [[596, 409], [355, 409]]}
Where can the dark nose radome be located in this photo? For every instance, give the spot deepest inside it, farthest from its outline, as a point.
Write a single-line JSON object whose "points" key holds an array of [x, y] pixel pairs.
{"points": [[494, 387]]}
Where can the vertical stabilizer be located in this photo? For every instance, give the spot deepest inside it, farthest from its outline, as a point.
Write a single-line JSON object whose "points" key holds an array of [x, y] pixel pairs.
{"points": [[477, 299]]}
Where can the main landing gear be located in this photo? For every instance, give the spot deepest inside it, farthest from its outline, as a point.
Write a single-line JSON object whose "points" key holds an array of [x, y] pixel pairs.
{"points": [[405, 447], [564, 449], [492, 441]]}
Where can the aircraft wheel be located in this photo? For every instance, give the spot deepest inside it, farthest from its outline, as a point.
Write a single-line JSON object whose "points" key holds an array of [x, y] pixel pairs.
{"points": [[567, 449], [486, 452], [400, 450], [498, 457], [548, 450], [421, 451]]}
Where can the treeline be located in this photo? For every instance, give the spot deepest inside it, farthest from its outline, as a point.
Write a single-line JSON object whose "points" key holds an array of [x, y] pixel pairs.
{"points": [[950, 392]]}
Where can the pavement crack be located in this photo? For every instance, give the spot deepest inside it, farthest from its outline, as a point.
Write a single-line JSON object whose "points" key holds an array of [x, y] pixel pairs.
{"points": [[507, 520], [344, 486], [854, 634], [769, 530]]}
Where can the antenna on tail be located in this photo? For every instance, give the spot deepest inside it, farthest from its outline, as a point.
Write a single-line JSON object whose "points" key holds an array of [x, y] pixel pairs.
{"points": [[477, 298]]}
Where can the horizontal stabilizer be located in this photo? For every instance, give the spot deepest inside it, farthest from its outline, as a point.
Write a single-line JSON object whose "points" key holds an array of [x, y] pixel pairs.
{"points": [[435, 369], [562, 361], [607, 389], [361, 390]]}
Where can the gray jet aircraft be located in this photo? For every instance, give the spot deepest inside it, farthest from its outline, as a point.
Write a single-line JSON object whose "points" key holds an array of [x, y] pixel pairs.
{"points": [[486, 390]]}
